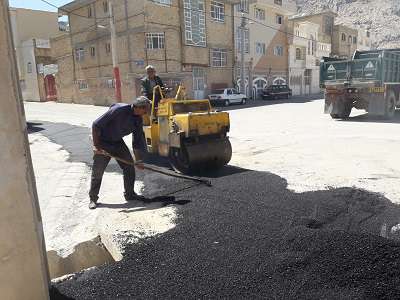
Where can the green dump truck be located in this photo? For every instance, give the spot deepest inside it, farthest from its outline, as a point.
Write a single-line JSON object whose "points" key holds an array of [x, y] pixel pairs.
{"points": [[369, 81]]}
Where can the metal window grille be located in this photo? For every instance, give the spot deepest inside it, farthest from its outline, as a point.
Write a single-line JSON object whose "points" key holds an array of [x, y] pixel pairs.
{"points": [[260, 48], [259, 14], [82, 85], [89, 11], [278, 51], [108, 48], [244, 6], [80, 54], [195, 22], [92, 51], [219, 57], [163, 2], [105, 6], [279, 19], [246, 40], [155, 40], [217, 11], [29, 68]]}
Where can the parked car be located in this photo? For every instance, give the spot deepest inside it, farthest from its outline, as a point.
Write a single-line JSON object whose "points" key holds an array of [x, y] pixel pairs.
{"points": [[227, 97], [281, 91]]}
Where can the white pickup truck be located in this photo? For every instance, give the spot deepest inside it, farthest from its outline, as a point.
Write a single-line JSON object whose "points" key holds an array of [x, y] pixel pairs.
{"points": [[227, 97]]}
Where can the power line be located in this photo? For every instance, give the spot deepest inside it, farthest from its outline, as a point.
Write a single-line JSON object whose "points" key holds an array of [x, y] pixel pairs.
{"points": [[70, 12]]}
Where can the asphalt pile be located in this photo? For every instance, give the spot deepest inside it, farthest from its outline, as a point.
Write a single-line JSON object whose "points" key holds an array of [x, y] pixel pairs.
{"points": [[250, 237]]}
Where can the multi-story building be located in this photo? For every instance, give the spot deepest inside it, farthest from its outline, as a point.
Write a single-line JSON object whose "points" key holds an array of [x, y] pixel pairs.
{"points": [[309, 41], [188, 41], [266, 43], [31, 30], [344, 41]]}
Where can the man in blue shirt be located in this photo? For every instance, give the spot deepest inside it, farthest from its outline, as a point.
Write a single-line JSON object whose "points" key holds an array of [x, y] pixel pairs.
{"points": [[108, 131]]}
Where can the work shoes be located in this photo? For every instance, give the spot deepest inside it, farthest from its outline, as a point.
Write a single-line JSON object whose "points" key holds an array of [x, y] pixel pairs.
{"points": [[92, 205]]}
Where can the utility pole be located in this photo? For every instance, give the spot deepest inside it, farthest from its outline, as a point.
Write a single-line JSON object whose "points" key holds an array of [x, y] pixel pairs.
{"points": [[114, 54], [242, 48]]}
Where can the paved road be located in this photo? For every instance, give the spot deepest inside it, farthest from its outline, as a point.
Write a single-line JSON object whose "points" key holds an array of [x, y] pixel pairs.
{"points": [[265, 231]]}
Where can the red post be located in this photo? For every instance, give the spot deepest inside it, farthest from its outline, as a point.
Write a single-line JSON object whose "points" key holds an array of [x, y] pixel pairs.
{"points": [[117, 79]]}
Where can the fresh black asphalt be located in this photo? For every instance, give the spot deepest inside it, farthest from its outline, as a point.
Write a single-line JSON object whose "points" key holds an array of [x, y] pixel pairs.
{"points": [[248, 236]]}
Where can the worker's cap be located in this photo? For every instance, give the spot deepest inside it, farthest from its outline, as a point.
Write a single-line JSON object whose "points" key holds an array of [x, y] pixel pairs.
{"points": [[141, 101], [150, 67]]}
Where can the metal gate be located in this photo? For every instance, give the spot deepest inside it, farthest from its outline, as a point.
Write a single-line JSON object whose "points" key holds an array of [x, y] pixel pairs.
{"points": [[199, 80]]}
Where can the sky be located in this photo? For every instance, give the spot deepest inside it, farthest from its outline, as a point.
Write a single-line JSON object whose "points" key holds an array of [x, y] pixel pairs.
{"points": [[38, 4]]}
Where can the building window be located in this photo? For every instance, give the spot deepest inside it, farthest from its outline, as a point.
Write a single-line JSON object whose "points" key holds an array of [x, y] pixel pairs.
{"points": [[105, 7], [350, 39], [219, 57], [243, 6], [328, 23], [354, 40], [155, 40], [92, 51], [80, 54], [195, 23], [260, 48], [29, 68], [163, 2], [82, 85], [298, 54], [278, 51], [278, 2], [108, 48], [89, 11], [279, 19], [110, 83], [246, 40], [217, 11], [343, 37], [259, 14], [368, 34]]}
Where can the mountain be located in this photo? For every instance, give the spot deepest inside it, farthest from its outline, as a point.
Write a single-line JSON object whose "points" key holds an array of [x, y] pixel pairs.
{"points": [[381, 17]]}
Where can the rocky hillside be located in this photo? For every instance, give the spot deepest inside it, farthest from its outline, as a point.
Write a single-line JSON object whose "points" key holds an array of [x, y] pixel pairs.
{"points": [[382, 17]]}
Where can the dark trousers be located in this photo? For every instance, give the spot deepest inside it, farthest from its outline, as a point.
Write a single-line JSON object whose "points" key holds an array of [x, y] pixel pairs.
{"points": [[100, 162]]}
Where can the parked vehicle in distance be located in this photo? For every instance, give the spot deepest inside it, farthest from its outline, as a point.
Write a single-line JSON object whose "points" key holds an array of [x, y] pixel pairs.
{"points": [[227, 97], [281, 91]]}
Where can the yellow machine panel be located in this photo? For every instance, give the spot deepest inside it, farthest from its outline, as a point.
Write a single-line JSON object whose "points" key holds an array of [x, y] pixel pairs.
{"points": [[188, 132]]}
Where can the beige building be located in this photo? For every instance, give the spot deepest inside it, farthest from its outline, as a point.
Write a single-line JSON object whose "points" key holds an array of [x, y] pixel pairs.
{"points": [[266, 42], [344, 41], [188, 41], [309, 41], [31, 31], [366, 39]]}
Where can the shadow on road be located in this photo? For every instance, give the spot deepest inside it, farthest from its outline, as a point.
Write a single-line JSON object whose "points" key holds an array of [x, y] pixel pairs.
{"points": [[366, 118], [33, 127], [250, 237]]}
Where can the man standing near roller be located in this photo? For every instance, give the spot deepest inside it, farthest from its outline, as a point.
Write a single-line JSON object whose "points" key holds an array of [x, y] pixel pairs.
{"points": [[108, 132]]}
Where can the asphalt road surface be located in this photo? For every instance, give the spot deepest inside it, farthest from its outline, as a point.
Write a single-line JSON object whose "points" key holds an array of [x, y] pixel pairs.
{"points": [[307, 210]]}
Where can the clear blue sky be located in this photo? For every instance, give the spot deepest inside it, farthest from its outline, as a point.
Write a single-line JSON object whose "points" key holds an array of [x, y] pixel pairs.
{"points": [[37, 4]]}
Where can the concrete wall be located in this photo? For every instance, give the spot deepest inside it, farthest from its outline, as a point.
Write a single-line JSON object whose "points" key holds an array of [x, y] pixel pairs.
{"points": [[23, 265]]}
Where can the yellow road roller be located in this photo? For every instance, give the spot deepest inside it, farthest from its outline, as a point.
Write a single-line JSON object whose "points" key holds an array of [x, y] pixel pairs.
{"points": [[189, 133]]}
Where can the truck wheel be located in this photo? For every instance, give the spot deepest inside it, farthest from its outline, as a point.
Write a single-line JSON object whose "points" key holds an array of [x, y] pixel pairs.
{"points": [[344, 112], [243, 101], [227, 102], [390, 106]]}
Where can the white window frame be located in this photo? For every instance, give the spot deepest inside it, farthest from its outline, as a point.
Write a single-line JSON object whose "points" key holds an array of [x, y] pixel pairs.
{"points": [[219, 57], [246, 40], [82, 84], [155, 41], [195, 32], [218, 11], [29, 68], [278, 50], [260, 48], [163, 2], [92, 51], [108, 48], [80, 54], [279, 19], [105, 6], [259, 14]]}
